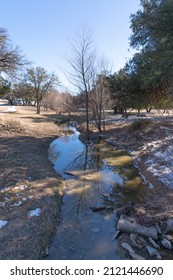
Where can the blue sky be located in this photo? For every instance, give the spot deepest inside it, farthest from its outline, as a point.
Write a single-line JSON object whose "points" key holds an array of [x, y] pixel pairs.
{"points": [[43, 28]]}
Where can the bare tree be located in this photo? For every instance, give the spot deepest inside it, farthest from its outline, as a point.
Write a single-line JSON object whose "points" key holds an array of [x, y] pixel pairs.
{"points": [[82, 63], [100, 101], [54, 100], [11, 58], [41, 82]]}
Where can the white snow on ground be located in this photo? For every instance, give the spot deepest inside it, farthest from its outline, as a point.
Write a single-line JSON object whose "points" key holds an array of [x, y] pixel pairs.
{"points": [[160, 164], [17, 203], [36, 212], [160, 159], [160, 152], [3, 223], [8, 109]]}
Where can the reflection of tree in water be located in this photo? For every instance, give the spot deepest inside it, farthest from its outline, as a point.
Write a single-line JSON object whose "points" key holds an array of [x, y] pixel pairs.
{"points": [[86, 186], [87, 160]]}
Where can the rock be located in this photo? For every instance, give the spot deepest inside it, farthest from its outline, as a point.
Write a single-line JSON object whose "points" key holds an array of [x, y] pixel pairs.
{"points": [[167, 236], [97, 208], [153, 252], [131, 252], [169, 225], [116, 234], [129, 225], [158, 228], [136, 257], [47, 251], [166, 244], [137, 241], [155, 245], [127, 247]]}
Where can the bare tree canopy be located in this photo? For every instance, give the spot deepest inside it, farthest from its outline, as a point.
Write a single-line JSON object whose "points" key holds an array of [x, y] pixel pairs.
{"points": [[82, 64], [11, 58]]}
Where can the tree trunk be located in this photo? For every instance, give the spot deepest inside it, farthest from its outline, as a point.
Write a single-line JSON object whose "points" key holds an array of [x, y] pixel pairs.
{"points": [[87, 115], [38, 107]]}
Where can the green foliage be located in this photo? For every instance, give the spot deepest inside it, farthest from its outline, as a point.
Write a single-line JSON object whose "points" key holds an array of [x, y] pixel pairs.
{"points": [[4, 86], [152, 28]]}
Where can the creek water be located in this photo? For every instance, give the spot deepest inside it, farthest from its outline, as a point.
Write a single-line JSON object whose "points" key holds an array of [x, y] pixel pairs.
{"points": [[97, 176]]}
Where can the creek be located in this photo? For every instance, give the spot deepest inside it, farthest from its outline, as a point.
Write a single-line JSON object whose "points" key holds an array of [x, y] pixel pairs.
{"points": [[98, 179]]}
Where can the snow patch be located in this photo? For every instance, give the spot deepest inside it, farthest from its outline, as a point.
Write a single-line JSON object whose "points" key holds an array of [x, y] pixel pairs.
{"points": [[36, 212], [17, 203], [3, 223]]}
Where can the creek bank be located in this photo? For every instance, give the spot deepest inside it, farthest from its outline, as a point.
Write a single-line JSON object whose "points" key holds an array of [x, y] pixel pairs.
{"points": [[156, 210], [30, 190]]}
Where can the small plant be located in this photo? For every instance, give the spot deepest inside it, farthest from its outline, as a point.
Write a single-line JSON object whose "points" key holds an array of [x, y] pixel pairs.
{"points": [[140, 125]]}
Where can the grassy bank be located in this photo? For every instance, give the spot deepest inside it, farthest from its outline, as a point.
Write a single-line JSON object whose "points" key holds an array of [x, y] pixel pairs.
{"points": [[30, 190]]}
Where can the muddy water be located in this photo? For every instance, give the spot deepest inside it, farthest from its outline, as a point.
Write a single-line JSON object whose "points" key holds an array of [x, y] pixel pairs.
{"points": [[95, 176]]}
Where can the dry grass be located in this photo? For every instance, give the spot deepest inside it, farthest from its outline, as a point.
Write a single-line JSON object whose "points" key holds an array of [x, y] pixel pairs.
{"points": [[27, 182]]}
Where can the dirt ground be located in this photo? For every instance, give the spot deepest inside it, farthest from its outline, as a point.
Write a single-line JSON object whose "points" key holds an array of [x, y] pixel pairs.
{"points": [[27, 183]]}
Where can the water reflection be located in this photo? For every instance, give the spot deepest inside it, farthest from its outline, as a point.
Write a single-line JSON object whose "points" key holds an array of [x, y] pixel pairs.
{"points": [[96, 175]]}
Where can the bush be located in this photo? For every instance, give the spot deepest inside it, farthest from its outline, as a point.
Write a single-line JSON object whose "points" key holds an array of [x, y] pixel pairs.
{"points": [[140, 125]]}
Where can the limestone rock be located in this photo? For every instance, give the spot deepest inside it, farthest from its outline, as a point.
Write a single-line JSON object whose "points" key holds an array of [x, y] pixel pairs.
{"points": [[166, 244], [153, 252], [137, 241], [158, 228], [169, 225], [116, 234], [129, 225], [131, 252], [155, 245], [167, 236]]}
